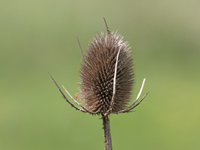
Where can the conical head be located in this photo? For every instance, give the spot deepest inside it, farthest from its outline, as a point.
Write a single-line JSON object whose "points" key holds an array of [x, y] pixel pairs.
{"points": [[97, 74]]}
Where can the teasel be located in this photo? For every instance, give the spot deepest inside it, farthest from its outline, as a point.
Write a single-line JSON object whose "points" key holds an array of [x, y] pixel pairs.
{"points": [[106, 79]]}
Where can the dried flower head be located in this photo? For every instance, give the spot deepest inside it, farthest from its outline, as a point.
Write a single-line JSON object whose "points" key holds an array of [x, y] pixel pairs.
{"points": [[106, 76], [97, 74]]}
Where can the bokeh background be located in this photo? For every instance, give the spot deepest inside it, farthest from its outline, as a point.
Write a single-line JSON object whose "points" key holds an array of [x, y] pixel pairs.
{"points": [[37, 37]]}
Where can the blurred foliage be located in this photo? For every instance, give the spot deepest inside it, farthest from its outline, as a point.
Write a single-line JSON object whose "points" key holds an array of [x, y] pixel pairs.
{"points": [[36, 37]]}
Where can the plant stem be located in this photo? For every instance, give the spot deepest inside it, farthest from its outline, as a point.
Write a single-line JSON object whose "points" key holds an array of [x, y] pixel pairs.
{"points": [[107, 135]]}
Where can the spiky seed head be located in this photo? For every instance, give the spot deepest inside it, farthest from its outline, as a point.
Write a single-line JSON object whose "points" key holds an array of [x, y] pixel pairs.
{"points": [[97, 73]]}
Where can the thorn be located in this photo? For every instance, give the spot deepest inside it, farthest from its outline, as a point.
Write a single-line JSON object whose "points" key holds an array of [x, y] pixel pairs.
{"points": [[79, 45], [108, 31]]}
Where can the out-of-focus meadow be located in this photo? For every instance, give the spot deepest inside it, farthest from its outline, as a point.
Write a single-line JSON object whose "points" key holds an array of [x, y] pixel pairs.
{"points": [[37, 37]]}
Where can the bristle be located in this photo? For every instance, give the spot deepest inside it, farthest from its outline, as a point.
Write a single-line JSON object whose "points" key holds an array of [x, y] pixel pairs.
{"points": [[97, 73]]}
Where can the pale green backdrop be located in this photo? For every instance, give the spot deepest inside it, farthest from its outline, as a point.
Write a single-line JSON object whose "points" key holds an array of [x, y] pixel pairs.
{"points": [[36, 37]]}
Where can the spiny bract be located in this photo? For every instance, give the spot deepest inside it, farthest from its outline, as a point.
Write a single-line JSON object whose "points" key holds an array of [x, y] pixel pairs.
{"points": [[97, 74]]}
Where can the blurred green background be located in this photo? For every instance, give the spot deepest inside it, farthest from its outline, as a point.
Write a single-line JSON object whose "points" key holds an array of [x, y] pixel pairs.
{"points": [[36, 37]]}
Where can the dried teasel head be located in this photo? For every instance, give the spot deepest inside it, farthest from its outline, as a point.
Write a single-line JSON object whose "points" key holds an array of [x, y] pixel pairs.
{"points": [[106, 76], [97, 74]]}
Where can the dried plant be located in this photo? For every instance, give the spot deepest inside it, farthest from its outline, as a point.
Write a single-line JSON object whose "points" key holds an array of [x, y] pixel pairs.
{"points": [[106, 79]]}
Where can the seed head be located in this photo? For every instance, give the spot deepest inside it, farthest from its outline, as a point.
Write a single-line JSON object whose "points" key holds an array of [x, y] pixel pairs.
{"points": [[97, 73], [106, 76]]}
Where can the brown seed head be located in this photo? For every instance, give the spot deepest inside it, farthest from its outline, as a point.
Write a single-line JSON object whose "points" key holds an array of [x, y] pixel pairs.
{"points": [[97, 73]]}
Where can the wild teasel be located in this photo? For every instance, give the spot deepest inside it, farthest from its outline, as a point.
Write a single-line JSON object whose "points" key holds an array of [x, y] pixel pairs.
{"points": [[106, 79], [97, 74]]}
